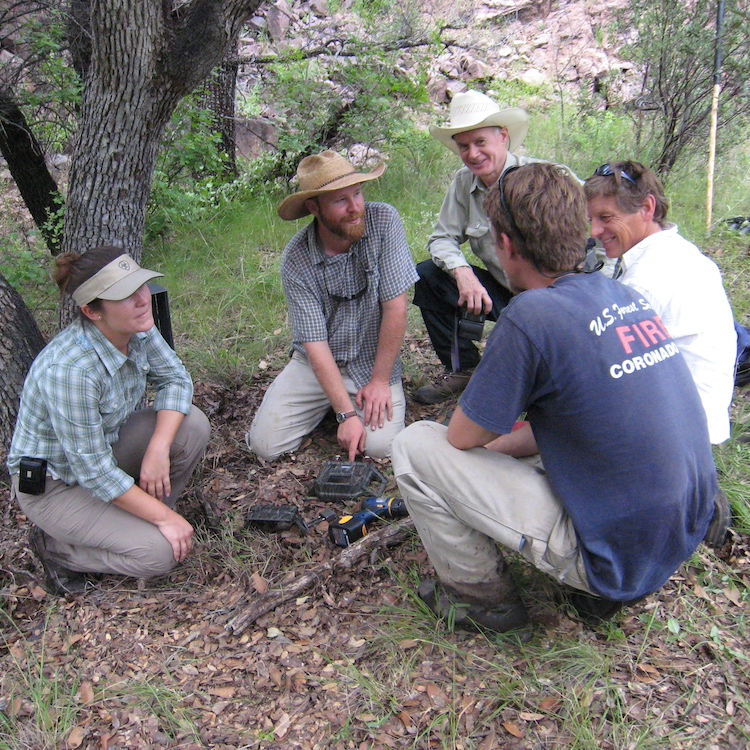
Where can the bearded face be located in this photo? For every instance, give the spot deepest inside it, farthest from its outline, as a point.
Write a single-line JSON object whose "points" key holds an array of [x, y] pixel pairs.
{"points": [[342, 213]]}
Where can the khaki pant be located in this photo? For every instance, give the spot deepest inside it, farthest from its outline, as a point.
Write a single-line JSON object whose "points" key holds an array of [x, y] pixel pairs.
{"points": [[463, 502], [294, 405], [88, 535]]}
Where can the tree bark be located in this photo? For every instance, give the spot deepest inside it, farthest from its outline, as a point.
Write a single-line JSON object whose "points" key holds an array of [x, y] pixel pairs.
{"points": [[20, 342], [28, 168], [144, 59]]}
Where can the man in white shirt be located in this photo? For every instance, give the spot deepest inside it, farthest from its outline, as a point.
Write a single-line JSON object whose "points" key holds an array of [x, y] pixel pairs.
{"points": [[628, 212]]}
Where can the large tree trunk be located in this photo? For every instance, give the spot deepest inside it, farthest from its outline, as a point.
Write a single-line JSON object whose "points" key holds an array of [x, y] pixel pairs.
{"points": [[20, 341], [144, 58]]}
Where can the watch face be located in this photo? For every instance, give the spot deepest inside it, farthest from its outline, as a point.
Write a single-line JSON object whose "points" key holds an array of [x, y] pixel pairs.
{"points": [[341, 417]]}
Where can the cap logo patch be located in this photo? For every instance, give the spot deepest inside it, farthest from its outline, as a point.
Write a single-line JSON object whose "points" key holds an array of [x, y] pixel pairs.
{"points": [[124, 265]]}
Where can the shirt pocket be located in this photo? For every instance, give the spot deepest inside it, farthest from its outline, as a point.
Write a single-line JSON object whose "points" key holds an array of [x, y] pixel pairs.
{"points": [[479, 224], [113, 407]]}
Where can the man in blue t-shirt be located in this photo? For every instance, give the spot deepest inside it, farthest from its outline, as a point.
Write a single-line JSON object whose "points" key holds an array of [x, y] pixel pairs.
{"points": [[628, 485]]}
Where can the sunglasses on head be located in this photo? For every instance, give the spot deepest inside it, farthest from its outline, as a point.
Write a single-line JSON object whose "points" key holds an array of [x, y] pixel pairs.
{"points": [[606, 171]]}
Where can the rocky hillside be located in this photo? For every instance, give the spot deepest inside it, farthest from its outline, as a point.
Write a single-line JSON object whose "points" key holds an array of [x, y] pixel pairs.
{"points": [[566, 44]]}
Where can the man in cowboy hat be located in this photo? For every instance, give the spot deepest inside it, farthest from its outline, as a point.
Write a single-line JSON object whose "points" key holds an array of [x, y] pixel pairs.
{"points": [[482, 134], [345, 277]]}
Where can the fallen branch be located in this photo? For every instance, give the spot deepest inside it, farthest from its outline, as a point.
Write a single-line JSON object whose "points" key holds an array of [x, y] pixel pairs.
{"points": [[388, 536]]}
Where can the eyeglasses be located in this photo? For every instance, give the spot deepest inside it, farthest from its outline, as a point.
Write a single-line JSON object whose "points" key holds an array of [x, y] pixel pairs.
{"points": [[606, 171], [350, 284], [504, 203]]}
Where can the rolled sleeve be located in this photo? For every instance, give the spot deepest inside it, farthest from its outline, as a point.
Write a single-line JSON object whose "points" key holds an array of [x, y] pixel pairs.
{"points": [[167, 374]]}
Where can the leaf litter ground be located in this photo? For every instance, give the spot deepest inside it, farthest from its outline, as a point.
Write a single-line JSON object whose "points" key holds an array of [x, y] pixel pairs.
{"points": [[353, 661]]}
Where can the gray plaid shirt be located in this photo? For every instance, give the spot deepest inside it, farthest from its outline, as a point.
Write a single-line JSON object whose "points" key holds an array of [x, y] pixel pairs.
{"points": [[79, 392], [338, 299]]}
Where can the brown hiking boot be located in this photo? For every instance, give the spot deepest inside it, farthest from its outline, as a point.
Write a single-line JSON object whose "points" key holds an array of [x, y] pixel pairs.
{"points": [[717, 530], [60, 580], [451, 384], [468, 613]]}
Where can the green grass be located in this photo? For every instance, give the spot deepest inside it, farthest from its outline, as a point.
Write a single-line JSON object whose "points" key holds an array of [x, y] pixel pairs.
{"points": [[225, 295], [38, 687]]}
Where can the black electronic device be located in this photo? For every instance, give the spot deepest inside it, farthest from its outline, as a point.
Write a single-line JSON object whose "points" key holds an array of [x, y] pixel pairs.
{"points": [[347, 480], [272, 518], [470, 326], [32, 476]]}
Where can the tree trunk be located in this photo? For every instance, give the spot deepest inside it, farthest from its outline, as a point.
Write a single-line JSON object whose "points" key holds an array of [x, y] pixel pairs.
{"points": [[26, 163], [144, 59], [20, 341]]}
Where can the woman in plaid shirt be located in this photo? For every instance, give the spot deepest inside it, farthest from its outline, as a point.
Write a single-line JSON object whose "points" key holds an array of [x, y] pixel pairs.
{"points": [[113, 471]]}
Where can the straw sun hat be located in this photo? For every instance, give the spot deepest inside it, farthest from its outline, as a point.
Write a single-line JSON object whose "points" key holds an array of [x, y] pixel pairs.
{"points": [[473, 110], [322, 173]]}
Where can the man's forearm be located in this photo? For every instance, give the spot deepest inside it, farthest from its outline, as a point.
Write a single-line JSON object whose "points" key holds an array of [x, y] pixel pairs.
{"points": [[390, 338], [517, 444], [465, 434], [446, 253], [327, 372]]}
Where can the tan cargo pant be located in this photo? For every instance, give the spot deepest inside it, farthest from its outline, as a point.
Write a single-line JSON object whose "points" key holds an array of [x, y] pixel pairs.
{"points": [[294, 405], [463, 502], [88, 535]]}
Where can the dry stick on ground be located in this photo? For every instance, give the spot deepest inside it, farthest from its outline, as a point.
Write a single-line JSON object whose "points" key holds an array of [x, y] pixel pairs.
{"points": [[388, 536]]}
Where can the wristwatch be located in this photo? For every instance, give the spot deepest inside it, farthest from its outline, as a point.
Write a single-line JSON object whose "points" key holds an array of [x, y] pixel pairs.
{"points": [[342, 416]]}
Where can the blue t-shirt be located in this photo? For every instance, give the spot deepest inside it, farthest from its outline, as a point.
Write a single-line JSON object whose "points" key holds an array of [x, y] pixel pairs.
{"points": [[617, 419]]}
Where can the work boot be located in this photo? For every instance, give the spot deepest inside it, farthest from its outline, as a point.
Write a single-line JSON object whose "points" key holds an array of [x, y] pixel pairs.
{"points": [[594, 610], [467, 612], [60, 580], [717, 529], [742, 376], [451, 384]]}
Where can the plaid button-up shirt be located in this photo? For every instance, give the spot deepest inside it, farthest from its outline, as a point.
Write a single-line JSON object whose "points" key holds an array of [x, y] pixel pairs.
{"points": [[338, 299], [79, 392]]}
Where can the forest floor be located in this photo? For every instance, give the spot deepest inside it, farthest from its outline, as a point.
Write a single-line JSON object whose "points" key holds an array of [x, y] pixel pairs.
{"points": [[353, 661]]}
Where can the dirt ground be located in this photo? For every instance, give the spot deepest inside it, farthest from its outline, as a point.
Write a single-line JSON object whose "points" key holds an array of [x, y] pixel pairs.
{"points": [[152, 664]]}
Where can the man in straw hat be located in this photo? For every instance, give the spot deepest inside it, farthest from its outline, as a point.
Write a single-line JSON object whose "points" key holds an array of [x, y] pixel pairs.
{"points": [[604, 517], [482, 134], [345, 277]]}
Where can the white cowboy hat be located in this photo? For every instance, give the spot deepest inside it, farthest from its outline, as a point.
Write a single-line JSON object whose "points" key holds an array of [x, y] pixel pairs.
{"points": [[322, 173], [472, 110]]}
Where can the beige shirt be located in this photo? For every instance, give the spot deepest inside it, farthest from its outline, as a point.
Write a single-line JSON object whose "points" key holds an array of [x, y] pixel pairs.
{"points": [[462, 218]]}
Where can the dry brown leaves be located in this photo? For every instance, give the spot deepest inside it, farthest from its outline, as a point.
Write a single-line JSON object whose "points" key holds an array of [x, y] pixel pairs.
{"points": [[152, 665]]}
